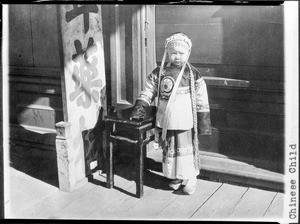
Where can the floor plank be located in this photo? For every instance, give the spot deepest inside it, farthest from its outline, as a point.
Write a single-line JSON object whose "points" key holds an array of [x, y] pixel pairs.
{"points": [[55, 201], [90, 201], [28, 193], [221, 203], [118, 208], [252, 205], [150, 206], [275, 211], [185, 205], [118, 205]]}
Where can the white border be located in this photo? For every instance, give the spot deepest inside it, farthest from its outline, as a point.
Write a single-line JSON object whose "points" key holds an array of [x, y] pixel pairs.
{"points": [[291, 70], [291, 63], [5, 106]]}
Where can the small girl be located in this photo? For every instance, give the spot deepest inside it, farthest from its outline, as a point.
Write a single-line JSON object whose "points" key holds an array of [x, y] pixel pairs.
{"points": [[182, 112]]}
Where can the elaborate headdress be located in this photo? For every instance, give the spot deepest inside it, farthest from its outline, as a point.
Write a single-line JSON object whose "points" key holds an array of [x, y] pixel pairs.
{"points": [[172, 39], [178, 37]]}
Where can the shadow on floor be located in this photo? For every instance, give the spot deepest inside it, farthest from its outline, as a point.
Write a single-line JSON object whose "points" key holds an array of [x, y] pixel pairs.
{"points": [[37, 163], [124, 167]]}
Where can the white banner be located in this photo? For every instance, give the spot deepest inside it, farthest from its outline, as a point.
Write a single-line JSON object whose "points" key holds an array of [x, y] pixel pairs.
{"points": [[84, 78]]}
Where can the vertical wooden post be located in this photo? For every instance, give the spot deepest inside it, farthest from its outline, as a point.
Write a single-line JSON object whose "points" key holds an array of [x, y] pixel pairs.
{"points": [[83, 91], [65, 157]]}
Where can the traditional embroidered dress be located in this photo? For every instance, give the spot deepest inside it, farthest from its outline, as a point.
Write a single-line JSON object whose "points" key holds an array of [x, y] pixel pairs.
{"points": [[178, 152]]}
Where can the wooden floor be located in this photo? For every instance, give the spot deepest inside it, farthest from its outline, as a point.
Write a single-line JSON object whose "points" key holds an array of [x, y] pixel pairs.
{"points": [[35, 199], [212, 201]]}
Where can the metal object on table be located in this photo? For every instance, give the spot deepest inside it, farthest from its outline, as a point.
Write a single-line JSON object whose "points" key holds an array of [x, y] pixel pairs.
{"points": [[119, 127]]}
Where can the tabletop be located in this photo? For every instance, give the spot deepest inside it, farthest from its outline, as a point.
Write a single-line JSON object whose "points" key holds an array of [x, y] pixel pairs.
{"points": [[123, 116]]}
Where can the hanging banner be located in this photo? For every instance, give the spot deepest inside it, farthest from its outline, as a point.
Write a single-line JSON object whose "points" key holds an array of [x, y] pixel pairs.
{"points": [[84, 87]]}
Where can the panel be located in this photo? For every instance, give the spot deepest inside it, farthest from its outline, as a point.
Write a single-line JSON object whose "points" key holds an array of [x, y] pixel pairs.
{"points": [[252, 43], [37, 116], [35, 92], [187, 14], [45, 36], [207, 41], [227, 34], [253, 148], [20, 40], [250, 35], [249, 121], [219, 93], [248, 106]]}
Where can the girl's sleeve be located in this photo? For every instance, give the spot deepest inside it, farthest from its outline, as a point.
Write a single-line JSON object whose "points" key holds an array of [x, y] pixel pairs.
{"points": [[202, 103], [150, 90], [201, 96]]}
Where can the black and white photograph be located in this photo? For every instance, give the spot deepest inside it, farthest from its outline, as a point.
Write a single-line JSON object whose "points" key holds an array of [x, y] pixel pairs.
{"points": [[182, 110]]}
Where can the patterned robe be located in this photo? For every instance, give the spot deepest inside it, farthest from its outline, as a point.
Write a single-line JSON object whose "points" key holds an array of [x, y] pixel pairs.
{"points": [[178, 161]]}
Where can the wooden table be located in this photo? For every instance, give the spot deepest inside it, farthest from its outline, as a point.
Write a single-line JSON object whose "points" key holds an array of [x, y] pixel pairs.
{"points": [[119, 127]]}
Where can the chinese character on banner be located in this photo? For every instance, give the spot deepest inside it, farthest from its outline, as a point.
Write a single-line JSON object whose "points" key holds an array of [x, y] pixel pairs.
{"points": [[83, 10], [85, 75]]}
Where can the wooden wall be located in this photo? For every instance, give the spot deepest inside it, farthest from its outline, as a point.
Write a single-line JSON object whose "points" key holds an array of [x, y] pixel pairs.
{"points": [[239, 50], [34, 75]]}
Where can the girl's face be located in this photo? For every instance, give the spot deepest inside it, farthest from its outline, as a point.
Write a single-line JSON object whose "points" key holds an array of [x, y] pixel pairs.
{"points": [[178, 54]]}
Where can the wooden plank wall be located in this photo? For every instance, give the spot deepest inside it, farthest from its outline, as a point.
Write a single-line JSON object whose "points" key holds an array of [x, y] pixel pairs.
{"points": [[34, 75], [239, 50]]}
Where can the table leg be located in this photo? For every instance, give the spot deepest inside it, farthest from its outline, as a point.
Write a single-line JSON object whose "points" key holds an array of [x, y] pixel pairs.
{"points": [[109, 162], [145, 152], [139, 161]]}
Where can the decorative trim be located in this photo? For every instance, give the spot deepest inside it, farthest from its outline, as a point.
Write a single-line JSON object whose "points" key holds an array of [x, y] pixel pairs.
{"points": [[216, 106], [39, 130], [53, 90], [40, 107], [35, 71], [247, 132], [35, 80]]}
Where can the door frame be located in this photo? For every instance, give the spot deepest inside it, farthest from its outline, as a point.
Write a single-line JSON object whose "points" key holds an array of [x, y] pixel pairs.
{"points": [[133, 38]]}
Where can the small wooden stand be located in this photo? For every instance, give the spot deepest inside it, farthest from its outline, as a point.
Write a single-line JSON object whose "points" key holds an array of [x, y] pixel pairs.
{"points": [[119, 127]]}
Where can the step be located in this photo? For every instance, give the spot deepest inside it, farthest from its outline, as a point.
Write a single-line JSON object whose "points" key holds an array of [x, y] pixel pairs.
{"points": [[244, 174], [218, 167]]}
